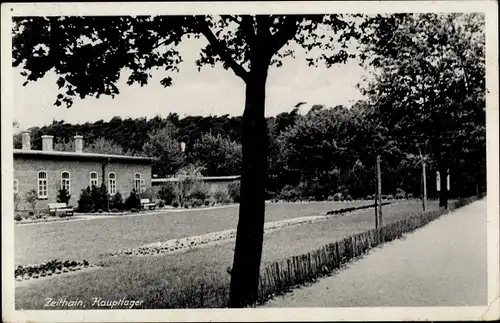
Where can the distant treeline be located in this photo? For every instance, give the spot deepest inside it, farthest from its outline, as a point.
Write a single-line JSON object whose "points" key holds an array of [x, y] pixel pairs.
{"points": [[311, 156]]}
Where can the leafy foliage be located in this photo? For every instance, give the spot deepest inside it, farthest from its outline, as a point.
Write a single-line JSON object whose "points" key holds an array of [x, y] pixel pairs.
{"points": [[219, 156], [163, 145], [17, 200], [31, 197], [429, 84], [221, 195], [429, 74], [63, 196], [167, 193], [85, 201], [116, 201], [234, 190], [133, 201]]}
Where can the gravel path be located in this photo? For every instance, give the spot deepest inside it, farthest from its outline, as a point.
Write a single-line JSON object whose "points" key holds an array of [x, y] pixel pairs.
{"points": [[442, 264]]}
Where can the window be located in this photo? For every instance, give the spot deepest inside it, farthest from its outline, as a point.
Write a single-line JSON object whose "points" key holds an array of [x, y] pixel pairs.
{"points": [[139, 183], [65, 182], [112, 183], [16, 186], [94, 179], [42, 185]]}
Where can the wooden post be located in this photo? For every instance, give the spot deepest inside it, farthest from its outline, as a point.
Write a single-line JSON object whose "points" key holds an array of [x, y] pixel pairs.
{"points": [[376, 197], [424, 186], [379, 192]]}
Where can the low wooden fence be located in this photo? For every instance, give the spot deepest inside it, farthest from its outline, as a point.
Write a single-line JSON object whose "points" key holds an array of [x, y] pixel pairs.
{"points": [[278, 277]]}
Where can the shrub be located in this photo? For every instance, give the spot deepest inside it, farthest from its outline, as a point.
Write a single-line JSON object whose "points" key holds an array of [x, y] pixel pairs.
{"points": [[348, 198], [370, 197], [186, 204], [147, 194], [85, 201], [167, 193], [99, 197], [63, 196], [132, 201], [210, 201], [399, 196], [410, 195], [18, 217], [270, 195], [221, 196], [400, 193], [234, 191], [114, 210], [175, 203], [160, 204], [116, 201], [338, 197], [330, 198], [134, 210], [390, 197], [198, 191], [289, 193], [17, 200], [31, 198], [196, 202], [100, 211]]}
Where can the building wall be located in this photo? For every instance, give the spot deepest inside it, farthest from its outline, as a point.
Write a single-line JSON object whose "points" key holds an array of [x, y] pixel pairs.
{"points": [[26, 172], [219, 185], [213, 185]]}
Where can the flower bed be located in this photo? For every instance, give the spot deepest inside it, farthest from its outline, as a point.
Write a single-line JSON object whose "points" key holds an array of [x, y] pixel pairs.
{"points": [[53, 267], [354, 208], [44, 219], [176, 245]]}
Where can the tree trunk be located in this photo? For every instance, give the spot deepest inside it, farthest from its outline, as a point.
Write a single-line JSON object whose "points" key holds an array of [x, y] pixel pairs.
{"points": [[250, 232], [476, 181], [443, 194], [379, 192], [424, 187]]}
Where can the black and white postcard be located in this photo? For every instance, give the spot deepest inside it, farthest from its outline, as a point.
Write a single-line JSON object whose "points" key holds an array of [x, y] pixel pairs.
{"points": [[250, 161]]}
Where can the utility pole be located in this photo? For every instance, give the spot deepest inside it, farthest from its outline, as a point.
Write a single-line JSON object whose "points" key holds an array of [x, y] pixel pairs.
{"points": [[424, 181], [379, 192], [376, 207]]}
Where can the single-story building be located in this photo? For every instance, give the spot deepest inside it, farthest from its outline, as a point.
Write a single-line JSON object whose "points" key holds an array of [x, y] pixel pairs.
{"points": [[47, 171], [214, 183]]}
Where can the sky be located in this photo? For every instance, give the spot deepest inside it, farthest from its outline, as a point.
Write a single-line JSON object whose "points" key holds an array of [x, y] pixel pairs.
{"points": [[212, 91]]}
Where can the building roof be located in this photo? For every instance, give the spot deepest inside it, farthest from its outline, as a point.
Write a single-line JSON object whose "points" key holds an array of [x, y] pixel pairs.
{"points": [[204, 178], [44, 153]]}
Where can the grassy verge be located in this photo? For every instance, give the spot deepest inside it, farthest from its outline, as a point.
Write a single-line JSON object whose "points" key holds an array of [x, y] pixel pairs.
{"points": [[198, 277], [76, 240]]}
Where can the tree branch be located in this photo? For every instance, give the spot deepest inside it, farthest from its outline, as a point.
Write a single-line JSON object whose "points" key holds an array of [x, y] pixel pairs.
{"points": [[221, 49], [247, 26], [284, 34], [263, 26]]}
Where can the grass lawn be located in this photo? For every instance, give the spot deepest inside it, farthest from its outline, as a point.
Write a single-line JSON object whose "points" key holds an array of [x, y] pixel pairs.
{"points": [[160, 280], [86, 239]]}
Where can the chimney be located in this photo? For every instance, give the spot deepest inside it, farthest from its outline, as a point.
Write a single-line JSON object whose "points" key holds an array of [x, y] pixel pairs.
{"points": [[47, 143], [78, 144], [26, 136]]}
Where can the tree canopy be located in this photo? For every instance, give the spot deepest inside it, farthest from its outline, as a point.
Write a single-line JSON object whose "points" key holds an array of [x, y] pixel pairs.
{"points": [[427, 90], [429, 84]]}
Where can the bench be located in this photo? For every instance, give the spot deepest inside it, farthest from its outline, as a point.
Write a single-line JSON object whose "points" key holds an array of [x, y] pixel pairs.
{"points": [[55, 208], [146, 203]]}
